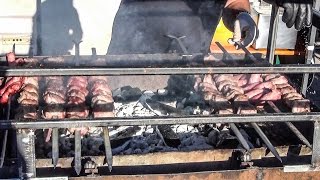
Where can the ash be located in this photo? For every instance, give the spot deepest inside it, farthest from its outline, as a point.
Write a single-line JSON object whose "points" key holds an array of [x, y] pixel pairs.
{"points": [[139, 139]]}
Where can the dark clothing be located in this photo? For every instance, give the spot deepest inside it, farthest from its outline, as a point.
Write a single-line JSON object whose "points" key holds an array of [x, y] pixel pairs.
{"points": [[141, 26]]}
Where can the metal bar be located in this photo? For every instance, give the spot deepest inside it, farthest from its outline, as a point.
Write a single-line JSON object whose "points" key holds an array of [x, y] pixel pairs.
{"points": [[315, 159], [316, 18], [241, 139], [291, 126], [295, 69], [310, 49], [101, 122], [77, 151], [26, 153], [266, 141], [5, 137], [298, 134], [273, 33], [107, 146], [55, 146]]}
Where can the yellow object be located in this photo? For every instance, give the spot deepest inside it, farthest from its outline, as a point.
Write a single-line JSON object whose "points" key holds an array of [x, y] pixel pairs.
{"points": [[222, 34]]}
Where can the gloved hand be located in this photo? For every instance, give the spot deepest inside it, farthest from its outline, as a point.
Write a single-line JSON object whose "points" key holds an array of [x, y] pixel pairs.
{"points": [[296, 12], [244, 30]]}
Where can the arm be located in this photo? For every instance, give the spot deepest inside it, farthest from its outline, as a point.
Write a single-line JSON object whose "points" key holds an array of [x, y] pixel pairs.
{"points": [[240, 5], [237, 19], [232, 9]]}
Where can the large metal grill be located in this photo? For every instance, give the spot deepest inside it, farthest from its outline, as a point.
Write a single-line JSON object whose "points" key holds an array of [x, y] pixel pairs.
{"points": [[165, 64]]}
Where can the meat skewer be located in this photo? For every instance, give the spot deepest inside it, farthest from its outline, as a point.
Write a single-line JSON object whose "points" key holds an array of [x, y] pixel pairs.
{"points": [[102, 106], [289, 95], [54, 97], [215, 98], [77, 109]]}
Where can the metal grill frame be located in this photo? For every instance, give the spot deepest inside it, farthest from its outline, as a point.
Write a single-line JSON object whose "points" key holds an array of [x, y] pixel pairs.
{"points": [[104, 122]]}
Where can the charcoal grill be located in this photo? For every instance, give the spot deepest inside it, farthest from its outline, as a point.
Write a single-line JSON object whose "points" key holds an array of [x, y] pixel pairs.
{"points": [[165, 64]]}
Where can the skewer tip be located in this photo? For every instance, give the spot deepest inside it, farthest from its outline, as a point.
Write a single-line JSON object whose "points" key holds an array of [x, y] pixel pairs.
{"points": [[110, 167]]}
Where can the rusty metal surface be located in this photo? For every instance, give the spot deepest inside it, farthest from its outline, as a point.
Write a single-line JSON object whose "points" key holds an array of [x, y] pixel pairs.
{"points": [[177, 157], [248, 174]]}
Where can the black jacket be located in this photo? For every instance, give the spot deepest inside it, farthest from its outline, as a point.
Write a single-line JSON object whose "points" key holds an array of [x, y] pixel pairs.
{"points": [[141, 26]]}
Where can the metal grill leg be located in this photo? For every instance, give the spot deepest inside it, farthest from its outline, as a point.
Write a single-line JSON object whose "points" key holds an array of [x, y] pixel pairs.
{"points": [[26, 153], [315, 160]]}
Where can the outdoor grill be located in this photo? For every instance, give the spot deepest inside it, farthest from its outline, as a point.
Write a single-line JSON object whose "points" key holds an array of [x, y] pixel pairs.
{"points": [[285, 135]]}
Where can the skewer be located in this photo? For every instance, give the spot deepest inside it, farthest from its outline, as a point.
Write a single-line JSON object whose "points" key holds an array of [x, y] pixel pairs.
{"points": [[77, 151], [55, 146], [5, 138], [291, 126], [241, 139], [266, 141], [107, 147]]}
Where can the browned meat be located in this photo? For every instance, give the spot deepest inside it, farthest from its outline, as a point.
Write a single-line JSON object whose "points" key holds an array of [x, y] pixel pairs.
{"points": [[31, 88], [254, 92], [274, 95], [301, 106], [27, 95], [279, 80], [75, 100], [51, 98], [31, 80], [265, 85], [249, 87], [222, 84], [255, 78], [294, 94], [83, 90], [287, 90], [76, 93], [102, 98], [77, 111], [54, 112], [247, 109]]}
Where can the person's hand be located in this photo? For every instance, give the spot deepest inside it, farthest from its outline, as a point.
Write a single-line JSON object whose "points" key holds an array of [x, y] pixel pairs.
{"points": [[296, 12], [244, 30]]}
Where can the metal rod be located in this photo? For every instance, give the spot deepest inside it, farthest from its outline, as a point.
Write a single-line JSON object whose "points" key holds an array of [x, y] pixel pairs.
{"points": [[294, 68], [107, 146], [273, 33], [291, 126], [266, 141], [100, 122], [5, 137], [77, 151], [241, 139], [309, 52], [55, 146], [315, 159], [298, 134]]}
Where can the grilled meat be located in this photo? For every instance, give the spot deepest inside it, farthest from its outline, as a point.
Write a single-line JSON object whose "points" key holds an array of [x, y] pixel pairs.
{"points": [[76, 95]]}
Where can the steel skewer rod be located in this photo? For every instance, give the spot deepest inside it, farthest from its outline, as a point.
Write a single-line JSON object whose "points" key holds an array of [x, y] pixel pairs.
{"points": [[241, 139], [107, 146], [271, 47], [5, 138], [266, 141], [77, 151], [55, 146], [291, 126]]}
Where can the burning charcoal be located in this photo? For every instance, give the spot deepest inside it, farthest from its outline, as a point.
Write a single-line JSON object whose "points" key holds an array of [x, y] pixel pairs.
{"points": [[213, 137], [162, 92], [129, 93], [137, 151]]}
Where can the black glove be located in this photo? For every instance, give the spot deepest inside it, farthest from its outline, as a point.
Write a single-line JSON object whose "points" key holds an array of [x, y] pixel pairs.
{"points": [[244, 30], [296, 12]]}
